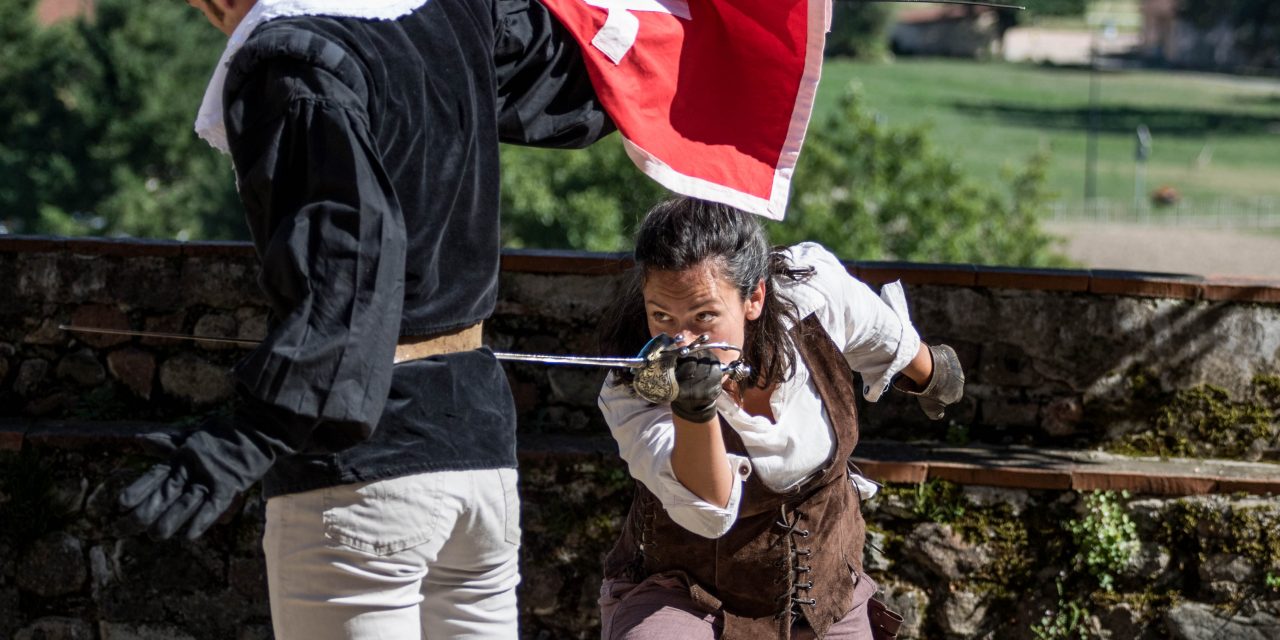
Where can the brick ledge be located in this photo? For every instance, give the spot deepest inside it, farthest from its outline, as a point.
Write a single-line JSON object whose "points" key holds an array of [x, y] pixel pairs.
{"points": [[550, 261], [885, 461]]}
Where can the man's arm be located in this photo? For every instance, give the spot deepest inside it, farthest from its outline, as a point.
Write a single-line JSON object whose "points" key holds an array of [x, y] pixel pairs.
{"points": [[545, 97], [331, 239]]}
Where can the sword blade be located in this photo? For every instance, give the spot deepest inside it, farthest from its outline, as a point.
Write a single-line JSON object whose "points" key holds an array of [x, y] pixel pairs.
{"points": [[157, 334], [540, 358]]}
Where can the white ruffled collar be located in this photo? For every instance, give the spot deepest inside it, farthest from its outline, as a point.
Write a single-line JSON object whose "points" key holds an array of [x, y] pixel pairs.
{"points": [[209, 123]]}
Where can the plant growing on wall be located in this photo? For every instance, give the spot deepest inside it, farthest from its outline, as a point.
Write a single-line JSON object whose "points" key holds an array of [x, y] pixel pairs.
{"points": [[1063, 623], [1106, 539]]}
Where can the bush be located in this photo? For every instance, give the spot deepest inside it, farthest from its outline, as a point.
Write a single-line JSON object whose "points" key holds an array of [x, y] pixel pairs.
{"points": [[1107, 540], [859, 29], [95, 124], [872, 192]]}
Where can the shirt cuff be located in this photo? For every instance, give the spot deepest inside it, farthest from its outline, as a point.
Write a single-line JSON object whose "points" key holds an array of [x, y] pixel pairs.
{"points": [[908, 343], [701, 517]]}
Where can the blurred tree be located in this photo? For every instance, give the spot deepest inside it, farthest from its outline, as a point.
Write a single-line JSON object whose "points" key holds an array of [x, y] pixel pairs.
{"points": [[863, 189], [859, 29], [871, 192], [1256, 24], [95, 124], [587, 199], [95, 139]]}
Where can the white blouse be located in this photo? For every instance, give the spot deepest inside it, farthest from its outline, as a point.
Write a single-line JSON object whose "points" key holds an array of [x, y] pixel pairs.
{"points": [[878, 340]]}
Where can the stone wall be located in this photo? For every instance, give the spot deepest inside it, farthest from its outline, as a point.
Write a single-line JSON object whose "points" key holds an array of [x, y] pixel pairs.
{"points": [[1135, 363]]}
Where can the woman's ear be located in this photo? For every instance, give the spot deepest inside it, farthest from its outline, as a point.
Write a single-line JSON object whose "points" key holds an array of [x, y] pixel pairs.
{"points": [[755, 302]]}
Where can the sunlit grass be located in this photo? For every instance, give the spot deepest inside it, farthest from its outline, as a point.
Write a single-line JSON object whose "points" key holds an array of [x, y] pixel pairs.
{"points": [[1216, 138]]}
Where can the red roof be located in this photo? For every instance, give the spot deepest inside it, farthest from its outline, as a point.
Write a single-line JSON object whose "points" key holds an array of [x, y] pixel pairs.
{"points": [[51, 11]]}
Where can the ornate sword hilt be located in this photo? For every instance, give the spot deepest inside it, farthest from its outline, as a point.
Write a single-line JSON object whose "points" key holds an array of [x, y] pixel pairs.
{"points": [[655, 380]]}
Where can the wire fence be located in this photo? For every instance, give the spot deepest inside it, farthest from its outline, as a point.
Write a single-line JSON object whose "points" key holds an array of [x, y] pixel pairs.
{"points": [[1221, 213]]}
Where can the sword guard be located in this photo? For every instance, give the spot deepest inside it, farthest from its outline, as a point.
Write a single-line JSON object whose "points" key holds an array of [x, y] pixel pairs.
{"points": [[655, 380]]}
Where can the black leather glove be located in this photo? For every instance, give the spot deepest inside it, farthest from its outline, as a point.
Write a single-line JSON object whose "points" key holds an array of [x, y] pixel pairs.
{"points": [[206, 469], [698, 378], [946, 385]]}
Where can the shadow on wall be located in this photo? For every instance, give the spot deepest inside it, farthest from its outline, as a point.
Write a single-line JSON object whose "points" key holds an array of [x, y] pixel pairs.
{"points": [[1087, 370], [1111, 119]]}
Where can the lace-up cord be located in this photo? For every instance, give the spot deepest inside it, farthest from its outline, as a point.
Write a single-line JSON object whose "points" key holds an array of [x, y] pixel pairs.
{"points": [[799, 577]]}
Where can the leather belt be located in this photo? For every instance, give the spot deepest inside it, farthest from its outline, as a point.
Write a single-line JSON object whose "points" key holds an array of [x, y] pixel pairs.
{"points": [[458, 340]]}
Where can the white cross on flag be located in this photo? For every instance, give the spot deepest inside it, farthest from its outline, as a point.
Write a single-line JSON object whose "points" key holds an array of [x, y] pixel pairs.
{"points": [[712, 97]]}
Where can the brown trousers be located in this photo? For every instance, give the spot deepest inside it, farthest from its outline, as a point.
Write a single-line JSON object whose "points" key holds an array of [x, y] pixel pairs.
{"points": [[660, 609]]}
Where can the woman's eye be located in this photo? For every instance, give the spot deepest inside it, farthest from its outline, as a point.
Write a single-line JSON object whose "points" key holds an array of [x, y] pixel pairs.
{"points": [[706, 317], [661, 317]]}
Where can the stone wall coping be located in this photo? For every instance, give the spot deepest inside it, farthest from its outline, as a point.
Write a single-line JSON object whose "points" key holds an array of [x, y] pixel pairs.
{"points": [[1095, 281], [1053, 469], [1014, 467]]}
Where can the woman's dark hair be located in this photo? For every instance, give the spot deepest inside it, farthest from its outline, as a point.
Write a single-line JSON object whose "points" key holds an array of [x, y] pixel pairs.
{"points": [[681, 233]]}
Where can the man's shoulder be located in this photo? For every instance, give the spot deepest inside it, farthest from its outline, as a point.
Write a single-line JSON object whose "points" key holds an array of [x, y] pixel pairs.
{"points": [[304, 41]]}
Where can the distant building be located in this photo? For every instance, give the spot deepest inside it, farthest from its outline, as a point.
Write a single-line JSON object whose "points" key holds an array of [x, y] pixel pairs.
{"points": [[948, 30], [51, 11], [1168, 39]]}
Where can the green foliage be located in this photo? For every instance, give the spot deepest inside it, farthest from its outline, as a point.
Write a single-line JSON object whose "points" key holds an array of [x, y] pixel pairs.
{"points": [[859, 29], [1106, 539], [95, 124], [32, 507], [587, 199], [958, 434], [939, 501], [1273, 581], [1067, 621], [1204, 420], [1256, 25], [95, 139], [1057, 7], [871, 192]]}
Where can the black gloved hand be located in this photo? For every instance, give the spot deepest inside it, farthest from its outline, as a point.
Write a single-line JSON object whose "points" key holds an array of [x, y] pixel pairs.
{"points": [[946, 385], [206, 469], [698, 378]]}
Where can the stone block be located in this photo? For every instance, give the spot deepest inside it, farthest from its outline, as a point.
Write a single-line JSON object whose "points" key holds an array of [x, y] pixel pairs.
{"points": [[944, 553], [53, 566], [194, 379], [136, 631], [1006, 364], [1062, 417], [47, 333], [148, 283], [102, 317], [221, 283], [50, 405], [40, 277], [1010, 412], [135, 368], [10, 611], [909, 602], [963, 613], [215, 325], [30, 374], [1199, 621], [168, 323], [90, 278], [252, 323], [874, 556], [1226, 566], [56, 628], [82, 368]]}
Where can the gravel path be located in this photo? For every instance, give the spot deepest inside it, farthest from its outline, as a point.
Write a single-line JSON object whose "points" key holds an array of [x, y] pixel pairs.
{"points": [[1247, 252]]}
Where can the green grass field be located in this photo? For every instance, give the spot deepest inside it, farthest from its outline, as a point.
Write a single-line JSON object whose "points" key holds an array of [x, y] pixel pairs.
{"points": [[1216, 138]]}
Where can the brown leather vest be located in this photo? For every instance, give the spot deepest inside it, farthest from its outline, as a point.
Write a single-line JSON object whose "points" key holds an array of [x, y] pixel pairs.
{"points": [[789, 554]]}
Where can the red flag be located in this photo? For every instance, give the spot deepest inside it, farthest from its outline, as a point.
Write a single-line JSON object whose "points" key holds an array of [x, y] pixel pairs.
{"points": [[712, 97]]}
